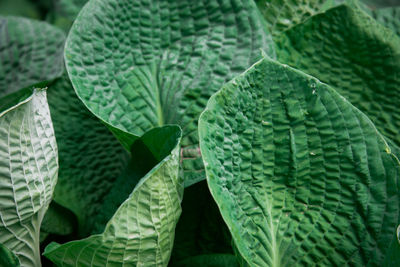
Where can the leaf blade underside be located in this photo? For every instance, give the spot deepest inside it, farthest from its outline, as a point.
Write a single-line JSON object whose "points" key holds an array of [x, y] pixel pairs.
{"points": [[28, 174]]}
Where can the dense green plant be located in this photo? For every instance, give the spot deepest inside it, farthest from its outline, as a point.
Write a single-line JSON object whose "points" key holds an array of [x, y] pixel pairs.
{"points": [[199, 133]]}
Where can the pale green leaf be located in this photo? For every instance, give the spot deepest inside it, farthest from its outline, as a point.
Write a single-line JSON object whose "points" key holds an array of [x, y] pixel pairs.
{"points": [[141, 232], [349, 50], [30, 51], [28, 173], [141, 64], [301, 177]]}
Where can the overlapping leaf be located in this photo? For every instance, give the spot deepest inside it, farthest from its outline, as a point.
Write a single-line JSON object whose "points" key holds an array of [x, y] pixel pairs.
{"points": [[281, 15], [346, 48], [141, 232], [137, 65], [300, 175], [91, 159], [30, 52], [28, 172]]}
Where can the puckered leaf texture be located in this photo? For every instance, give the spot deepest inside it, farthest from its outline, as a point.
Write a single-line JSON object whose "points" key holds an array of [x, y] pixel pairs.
{"points": [[28, 172], [141, 64], [141, 232], [301, 176]]}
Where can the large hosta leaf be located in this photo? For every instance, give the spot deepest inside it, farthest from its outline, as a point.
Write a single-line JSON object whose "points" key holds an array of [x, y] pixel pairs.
{"points": [[141, 64], [91, 158], [30, 52], [141, 232], [348, 49], [301, 177], [28, 172]]}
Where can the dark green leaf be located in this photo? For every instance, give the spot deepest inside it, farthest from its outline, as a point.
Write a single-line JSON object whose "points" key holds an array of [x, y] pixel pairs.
{"points": [[346, 48]]}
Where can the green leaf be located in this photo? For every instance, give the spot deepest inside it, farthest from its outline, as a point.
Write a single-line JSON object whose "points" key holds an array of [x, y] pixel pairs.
{"points": [[91, 159], [301, 176], [281, 15], [347, 49], [210, 260], [30, 51], [389, 17], [138, 65], [28, 174], [141, 232], [7, 258]]}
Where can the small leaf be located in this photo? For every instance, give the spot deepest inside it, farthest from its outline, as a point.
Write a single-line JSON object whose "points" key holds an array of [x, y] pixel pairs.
{"points": [[301, 176], [28, 173], [141, 232], [7, 258]]}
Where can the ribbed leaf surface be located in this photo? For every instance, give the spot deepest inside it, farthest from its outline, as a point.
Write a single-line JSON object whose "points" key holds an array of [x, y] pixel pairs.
{"points": [[141, 64], [91, 158], [301, 177], [28, 174], [141, 232], [30, 52], [349, 50]]}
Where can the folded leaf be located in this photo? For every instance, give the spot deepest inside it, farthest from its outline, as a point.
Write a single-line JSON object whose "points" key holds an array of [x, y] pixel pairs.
{"points": [[141, 232], [91, 159], [346, 48], [138, 65], [28, 173], [301, 177], [30, 51]]}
